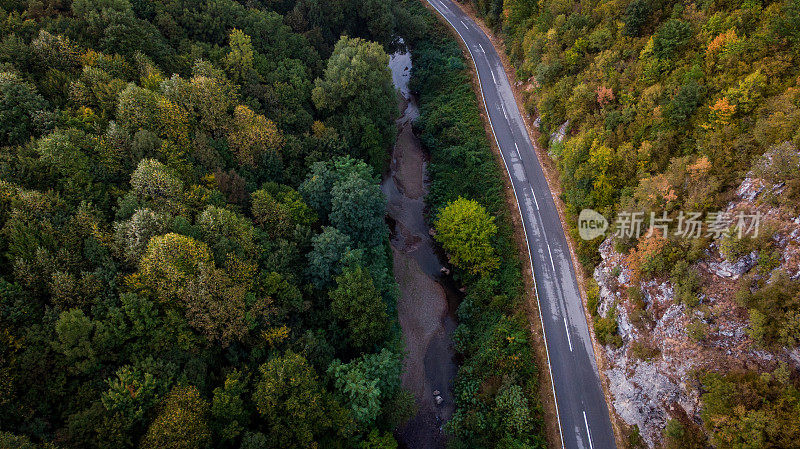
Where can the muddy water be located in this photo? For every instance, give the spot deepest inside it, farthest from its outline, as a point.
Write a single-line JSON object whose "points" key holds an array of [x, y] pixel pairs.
{"points": [[427, 299]]}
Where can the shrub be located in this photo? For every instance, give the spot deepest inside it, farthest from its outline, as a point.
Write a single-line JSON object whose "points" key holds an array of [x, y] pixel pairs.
{"points": [[644, 351], [605, 328]]}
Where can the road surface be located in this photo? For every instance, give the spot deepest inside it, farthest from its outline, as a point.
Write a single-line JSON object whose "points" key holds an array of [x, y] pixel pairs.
{"points": [[582, 411]]}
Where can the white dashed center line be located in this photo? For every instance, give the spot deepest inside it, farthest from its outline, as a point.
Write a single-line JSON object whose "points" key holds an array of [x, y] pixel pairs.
{"points": [[569, 340], [537, 206], [589, 434]]}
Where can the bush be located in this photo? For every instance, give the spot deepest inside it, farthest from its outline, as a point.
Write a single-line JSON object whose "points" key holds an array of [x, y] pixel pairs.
{"points": [[645, 352], [605, 328], [687, 282], [697, 330]]}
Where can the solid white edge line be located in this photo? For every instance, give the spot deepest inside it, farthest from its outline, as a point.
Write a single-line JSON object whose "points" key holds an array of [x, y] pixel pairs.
{"points": [[522, 218], [569, 340], [588, 434]]}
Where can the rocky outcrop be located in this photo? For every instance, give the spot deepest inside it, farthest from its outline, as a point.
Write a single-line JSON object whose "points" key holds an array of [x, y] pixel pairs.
{"points": [[652, 376]]}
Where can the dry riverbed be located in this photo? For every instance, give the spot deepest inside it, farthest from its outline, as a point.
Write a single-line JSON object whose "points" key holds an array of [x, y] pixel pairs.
{"points": [[427, 299]]}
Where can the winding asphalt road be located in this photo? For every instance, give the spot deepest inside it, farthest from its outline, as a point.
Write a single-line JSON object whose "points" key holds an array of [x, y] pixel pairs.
{"points": [[582, 411]]}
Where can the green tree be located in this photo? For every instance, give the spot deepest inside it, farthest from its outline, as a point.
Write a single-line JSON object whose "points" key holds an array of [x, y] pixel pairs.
{"points": [[133, 235], [318, 185], [671, 38], [181, 424], [367, 382], [227, 233], [239, 60], [20, 105], [75, 335], [358, 207], [356, 91], [637, 14], [131, 392], [170, 262], [356, 302], [253, 136], [292, 402], [325, 258], [9, 440], [751, 410], [279, 209], [228, 409], [153, 182], [683, 105], [465, 230], [377, 441]]}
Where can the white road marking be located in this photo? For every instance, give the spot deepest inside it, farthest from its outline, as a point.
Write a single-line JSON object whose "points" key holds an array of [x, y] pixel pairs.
{"points": [[536, 202], [589, 434], [551, 258], [462, 23], [492, 72], [519, 155], [569, 340], [481, 47]]}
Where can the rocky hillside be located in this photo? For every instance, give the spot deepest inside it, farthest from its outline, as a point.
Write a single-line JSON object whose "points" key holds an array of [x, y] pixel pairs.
{"points": [[664, 342], [670, 108]]}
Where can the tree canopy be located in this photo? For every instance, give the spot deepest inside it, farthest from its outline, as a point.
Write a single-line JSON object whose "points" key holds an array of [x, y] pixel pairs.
{"points": [[181, 186]]}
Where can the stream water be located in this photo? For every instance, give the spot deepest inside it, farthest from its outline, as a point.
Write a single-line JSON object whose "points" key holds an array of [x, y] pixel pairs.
{"points": [[427, 296]]}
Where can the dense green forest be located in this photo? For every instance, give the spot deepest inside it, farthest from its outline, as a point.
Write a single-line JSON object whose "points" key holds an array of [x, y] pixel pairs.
{"points": [[193, 250], [496, 389], [670, 105]]}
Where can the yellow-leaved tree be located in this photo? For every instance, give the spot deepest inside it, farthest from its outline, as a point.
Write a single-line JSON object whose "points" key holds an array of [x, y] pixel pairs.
{"points": [[465, 229]]}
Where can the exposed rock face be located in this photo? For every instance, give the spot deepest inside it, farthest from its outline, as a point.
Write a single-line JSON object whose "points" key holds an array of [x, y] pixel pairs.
{"points": [[733, 270], [560, 133], [652, 375]]}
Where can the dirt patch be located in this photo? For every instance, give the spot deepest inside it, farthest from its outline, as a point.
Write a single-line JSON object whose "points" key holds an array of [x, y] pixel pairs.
{"points": [[410, 164]]}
